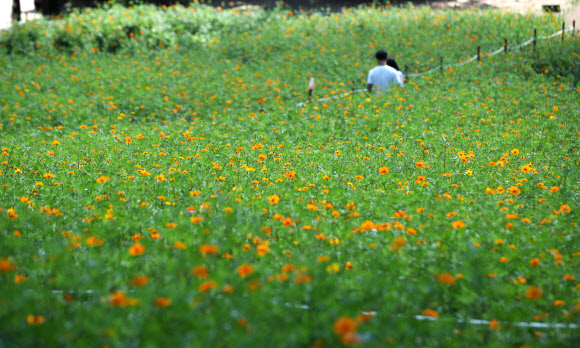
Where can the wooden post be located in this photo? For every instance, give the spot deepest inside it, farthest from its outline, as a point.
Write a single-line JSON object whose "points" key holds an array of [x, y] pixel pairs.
{"points": [[563, 30], [441, 64], [478, 54], [505, 46], [574, 28], [406, 73], [534, 46]]}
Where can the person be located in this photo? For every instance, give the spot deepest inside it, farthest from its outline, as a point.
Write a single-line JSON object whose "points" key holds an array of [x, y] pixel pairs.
{"points": [[383, 75], [393, 63]]}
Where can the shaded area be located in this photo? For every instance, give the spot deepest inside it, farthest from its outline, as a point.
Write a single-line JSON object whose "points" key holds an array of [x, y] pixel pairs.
{"points": [[54, 7]]}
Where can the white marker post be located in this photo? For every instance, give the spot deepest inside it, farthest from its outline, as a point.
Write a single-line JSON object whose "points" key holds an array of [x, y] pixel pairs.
{"points": [[5, 14], [26, 8], [310, 87]]}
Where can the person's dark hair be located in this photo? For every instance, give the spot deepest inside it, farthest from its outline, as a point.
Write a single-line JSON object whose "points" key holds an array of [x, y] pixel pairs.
{"points": [[392, 63], [381, 55]]}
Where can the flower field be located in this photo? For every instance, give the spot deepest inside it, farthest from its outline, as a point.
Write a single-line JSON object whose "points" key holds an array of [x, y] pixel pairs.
{"points": [[161, 185]]}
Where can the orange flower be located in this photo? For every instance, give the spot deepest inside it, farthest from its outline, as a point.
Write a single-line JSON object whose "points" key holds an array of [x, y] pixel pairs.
{"points": [[19, 278], [494, 325], [179, 245], [102, 179], [35, 319], [398, 243], [205, 286], [118, 299], [534, 262], [94, 241], [200, 271], [11, 214], [430, 313], [565, 209], [504, 260], [162, 302], [458, 224], [384, 170], [533, 293], [558, 303], [245, 270], [136, 249], [6, 265], [262, 249], [287, 222], [274, 199], [345, 325], [140, 280], [196, 219], [420, 164], [206, 249], [514, 190], [445, 278]]}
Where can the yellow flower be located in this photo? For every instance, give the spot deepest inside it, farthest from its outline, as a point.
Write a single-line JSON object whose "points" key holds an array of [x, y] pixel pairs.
{"points": [[179, 245], [274, 199], [262, 249], [458, 224], [398, 243]]}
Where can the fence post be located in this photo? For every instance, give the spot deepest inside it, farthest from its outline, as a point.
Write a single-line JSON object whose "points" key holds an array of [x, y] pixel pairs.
{"points": [[478, 54], [505, 46], [574, 28], [563, 30], [441, 63], [534, 47], [406, 73]]}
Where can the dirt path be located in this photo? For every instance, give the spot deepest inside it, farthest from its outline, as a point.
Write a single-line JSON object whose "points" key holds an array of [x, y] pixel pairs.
{"points": [[570, 8]]}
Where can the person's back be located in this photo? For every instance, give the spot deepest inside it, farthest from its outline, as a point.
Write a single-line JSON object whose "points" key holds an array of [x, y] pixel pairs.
{"points": [[383, 75]]}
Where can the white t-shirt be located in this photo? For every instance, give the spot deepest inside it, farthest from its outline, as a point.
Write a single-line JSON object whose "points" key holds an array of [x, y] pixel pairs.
{"points": [[382, 76]]}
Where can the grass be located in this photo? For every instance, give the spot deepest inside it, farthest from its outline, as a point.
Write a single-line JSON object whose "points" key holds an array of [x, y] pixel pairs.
{"points": [[169, 190]]}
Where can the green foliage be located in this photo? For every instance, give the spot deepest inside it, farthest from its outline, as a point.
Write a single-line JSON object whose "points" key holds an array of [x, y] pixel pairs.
{"points": [[452, 196], [112, 28], [557, 60]]}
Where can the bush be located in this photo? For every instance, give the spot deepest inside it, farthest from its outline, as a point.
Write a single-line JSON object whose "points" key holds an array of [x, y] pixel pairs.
{"points": [[114, 28]]}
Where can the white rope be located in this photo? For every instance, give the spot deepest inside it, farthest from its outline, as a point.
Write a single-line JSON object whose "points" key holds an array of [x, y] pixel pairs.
{"points": [[336, 96], [467, 61], [534, 324]]}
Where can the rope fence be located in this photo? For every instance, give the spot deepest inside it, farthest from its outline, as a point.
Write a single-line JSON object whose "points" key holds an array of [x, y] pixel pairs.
{"points": [[504, 48]]}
